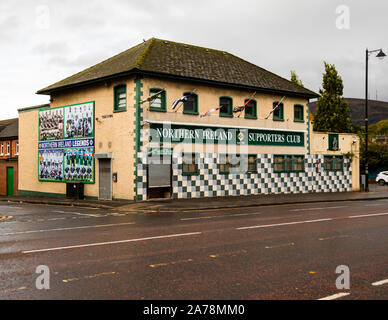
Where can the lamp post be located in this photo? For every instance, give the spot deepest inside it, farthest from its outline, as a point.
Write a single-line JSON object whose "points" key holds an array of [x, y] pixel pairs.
{"points": [[381, 56]]}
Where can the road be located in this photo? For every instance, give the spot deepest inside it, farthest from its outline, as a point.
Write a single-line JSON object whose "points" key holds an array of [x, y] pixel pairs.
{"points": [[274, 252]]}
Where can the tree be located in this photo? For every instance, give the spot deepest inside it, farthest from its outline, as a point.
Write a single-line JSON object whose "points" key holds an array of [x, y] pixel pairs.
{"points": [[295, 79], [332, 110]]}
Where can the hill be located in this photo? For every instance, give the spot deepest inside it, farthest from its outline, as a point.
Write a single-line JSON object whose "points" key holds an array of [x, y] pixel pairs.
{"points": [[377, 111]]}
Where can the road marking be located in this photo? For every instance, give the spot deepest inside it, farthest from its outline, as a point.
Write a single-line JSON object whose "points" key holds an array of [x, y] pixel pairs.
{"points": [[283, 224], [334, 237], [86, 214], [226, 216], [170, 263], [380, 283], [66, 229], [308, 209], [369, 215], [112, 242], [336, 296], [90, 277], [59, 211], [291, 244]]}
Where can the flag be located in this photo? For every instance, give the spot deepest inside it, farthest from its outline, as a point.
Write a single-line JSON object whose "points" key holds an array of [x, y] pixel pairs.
{"points": [[152, 97], [238, 109], [183, 99], [210, 112], [277, 106]]}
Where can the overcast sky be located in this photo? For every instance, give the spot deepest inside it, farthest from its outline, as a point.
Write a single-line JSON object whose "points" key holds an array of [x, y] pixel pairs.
{"points": [[42, 42]]}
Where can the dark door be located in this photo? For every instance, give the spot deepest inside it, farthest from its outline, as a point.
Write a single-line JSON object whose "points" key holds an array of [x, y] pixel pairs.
{"points": [[10, 181]]}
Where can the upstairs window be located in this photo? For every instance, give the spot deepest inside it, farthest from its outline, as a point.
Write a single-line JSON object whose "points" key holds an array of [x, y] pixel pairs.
{"points": [[8, 148], [226, 107], [298, 113], [190, 106], [120, 98], [17, 148], [251, 109], [2, 149], [278, 114], [158, 102]]}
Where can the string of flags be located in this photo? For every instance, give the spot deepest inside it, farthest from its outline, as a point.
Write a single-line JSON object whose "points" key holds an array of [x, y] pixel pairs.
{"points": [[176, 105]]}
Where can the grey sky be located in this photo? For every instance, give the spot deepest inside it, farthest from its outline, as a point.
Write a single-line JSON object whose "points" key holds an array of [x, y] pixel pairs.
{"points": [[42, 42]]}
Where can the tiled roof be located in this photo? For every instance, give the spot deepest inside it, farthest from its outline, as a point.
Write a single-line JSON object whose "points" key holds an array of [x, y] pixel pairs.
{"points": [[162, 57], [9, 128]]}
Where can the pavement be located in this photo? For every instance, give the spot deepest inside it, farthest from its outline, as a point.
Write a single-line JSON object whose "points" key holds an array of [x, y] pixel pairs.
{"points": [[171, 205]]}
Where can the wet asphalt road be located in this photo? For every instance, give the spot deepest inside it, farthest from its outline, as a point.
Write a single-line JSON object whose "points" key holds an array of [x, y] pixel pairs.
{"points": [[277, 252]]}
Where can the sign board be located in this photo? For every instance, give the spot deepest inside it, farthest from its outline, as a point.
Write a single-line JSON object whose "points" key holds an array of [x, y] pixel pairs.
{"points": [[66, 144], [177, 133]]}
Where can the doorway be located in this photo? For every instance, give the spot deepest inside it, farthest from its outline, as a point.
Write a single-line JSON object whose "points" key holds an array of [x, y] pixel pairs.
{"points": [[159, 177], [105, 179], [10, 181]]}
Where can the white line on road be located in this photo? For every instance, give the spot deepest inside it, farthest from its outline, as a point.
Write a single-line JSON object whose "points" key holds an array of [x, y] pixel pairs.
{"points": [[369, 215], [308, 209], [283, 224], [380, 283], [86, 214], [336, 296], [113, 242], [66, 229], [227, 216]]}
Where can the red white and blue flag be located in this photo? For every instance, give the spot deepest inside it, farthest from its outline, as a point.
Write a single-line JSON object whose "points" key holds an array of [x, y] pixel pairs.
{"points": [[183, 99], [210, 112]]}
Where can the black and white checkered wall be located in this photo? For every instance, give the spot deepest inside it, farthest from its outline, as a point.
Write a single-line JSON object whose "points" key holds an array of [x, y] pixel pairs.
{"points": [[211, 183]]}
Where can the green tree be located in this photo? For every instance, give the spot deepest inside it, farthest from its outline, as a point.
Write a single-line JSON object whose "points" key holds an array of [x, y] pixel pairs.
{"points": [[332, 110], [295, 79]]}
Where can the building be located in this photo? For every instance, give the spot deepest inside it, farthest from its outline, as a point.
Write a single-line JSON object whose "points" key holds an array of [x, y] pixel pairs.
{"points": [[9, 152], [112, 127]]}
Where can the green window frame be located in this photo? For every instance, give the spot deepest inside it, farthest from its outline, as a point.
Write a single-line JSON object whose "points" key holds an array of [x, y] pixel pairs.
{"points": [[120, 98], [252, 163], [190, 106], [333, 163], [251, 107], [298, 113], [278, 114], [229, 163], [226, 107], [289, 163], [159, 103], [190, 164]]}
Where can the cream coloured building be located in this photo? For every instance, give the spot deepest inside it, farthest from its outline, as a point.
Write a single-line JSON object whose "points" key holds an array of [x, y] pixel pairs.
{"points": [[135, 148]]}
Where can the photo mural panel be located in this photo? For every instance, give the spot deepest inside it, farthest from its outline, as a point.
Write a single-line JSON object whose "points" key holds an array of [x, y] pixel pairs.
{"points": [[66, 144]]}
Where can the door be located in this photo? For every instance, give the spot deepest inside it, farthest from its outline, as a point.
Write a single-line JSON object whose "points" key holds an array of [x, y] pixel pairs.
{"points": [[105, 179], [159, 176], [10, 181]]}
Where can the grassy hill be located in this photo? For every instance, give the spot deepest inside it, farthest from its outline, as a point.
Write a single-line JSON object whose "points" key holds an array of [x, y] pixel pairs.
{"points": [[378, 110]]}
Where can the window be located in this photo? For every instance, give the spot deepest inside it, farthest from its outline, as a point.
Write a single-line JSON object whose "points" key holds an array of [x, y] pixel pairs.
{"points": [[229, 164], [251, 110], [288, 163], [278, 114], [252, 160], [190, 165], [190, 106], [333, 163], [120, 98], [298, 113], [226, 107], [17, 148], [8, 146], [2, 149], [159, 102]]}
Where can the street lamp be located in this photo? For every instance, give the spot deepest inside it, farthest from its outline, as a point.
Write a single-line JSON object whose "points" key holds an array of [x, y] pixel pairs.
{"points": [[381, 56]]}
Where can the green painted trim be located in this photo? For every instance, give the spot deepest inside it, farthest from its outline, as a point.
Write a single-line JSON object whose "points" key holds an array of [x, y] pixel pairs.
{"points": [[308, 129], [333, 162], [302, 118], [254, 116], [230, 113], [117, 90], [138, 119], [195, 111], [292, 163], [163, 107], [28, 193], [281, 108], [33, 109]]}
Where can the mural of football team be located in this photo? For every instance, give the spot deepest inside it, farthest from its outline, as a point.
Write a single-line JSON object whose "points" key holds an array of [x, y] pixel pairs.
{"points": [[51, 124], [79, 164], [79, 121], [51, 165]]}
